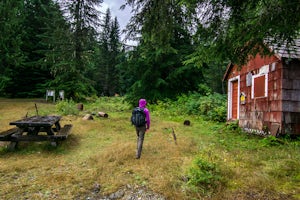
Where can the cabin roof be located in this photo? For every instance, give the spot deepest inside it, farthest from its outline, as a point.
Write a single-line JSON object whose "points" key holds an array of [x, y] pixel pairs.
{"points": [[228, 69], [287, 50], [291, 51]]}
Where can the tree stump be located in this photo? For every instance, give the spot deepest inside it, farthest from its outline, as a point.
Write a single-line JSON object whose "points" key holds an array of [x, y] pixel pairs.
{"points": [[187, 122], [103, 114], [80, 106]]}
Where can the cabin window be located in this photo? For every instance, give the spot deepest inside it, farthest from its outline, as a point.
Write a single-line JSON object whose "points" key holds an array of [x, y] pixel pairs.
{"points": [[259, 86]]}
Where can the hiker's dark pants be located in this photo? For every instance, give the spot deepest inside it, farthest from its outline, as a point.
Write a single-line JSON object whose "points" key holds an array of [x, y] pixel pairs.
{"points": [[140, 132]]}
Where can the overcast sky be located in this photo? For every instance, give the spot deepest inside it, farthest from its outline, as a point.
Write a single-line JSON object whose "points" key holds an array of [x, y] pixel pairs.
{"points": [[114, 6], [123, 16]]}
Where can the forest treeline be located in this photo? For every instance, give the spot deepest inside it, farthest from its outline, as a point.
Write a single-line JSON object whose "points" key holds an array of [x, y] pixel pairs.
{"points": [[182, 46]]}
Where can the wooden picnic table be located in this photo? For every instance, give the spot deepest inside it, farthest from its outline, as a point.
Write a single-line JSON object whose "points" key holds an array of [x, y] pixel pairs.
{"points": [[36, 128]]}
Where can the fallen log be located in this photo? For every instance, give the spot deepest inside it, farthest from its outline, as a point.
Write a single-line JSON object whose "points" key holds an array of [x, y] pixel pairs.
{"points": [[102, 114], [88, 117]]}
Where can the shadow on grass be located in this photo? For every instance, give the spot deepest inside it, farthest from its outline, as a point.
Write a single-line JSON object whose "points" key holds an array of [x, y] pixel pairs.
{"points": [[27, 148]]}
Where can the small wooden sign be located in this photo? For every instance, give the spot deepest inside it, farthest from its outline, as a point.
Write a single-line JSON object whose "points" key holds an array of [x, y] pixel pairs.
{"points": [[249, 79], [243, 98]]}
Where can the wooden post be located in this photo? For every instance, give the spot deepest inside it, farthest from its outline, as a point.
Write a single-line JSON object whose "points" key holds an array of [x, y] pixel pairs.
{"points": [[36, 109], [174, 136]]}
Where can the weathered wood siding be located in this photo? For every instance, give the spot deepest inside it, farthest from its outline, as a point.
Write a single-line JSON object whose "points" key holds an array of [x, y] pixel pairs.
{"points": [[258, 114], [279, 111], [291, 97]]}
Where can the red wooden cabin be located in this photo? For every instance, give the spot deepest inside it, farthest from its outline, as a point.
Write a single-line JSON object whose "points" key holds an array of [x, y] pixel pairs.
{"points": [[264, 94]]}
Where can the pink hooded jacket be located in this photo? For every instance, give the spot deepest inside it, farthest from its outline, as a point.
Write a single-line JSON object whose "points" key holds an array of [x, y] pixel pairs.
{"points": [[142, 104]]}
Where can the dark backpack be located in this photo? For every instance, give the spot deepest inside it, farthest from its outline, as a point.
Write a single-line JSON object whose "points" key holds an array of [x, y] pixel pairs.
{"points": [[138, 117]]}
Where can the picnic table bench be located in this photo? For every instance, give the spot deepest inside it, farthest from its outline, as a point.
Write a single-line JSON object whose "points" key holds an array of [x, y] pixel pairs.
{"points": [[36, 128], [5, 135], [62, 134]]}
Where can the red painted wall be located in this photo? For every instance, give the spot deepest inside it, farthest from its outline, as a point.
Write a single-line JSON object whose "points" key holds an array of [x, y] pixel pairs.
{"points": [[279, 111], [260, 113]]}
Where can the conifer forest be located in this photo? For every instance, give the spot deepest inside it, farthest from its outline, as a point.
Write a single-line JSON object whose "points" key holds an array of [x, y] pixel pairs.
{"points": [[180, 46]]}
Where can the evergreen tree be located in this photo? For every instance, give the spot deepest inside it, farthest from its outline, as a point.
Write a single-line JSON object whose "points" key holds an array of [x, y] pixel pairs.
{"points": [[107, 74], [115, 55], [84, 19], [11, 56], [158, 69], [29, 78], [59, 55]]}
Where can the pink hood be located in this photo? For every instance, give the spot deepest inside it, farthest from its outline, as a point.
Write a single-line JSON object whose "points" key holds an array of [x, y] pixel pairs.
{"points": [[142, 103]]}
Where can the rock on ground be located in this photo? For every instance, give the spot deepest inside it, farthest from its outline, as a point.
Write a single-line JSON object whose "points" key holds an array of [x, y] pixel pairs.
{"points": [[125, 193]]}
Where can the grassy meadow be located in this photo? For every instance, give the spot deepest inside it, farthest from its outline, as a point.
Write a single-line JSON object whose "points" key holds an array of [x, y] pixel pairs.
{"points": [[208, 161]]}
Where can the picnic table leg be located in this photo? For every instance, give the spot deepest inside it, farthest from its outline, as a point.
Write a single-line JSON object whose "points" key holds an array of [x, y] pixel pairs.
{"points": [[54, 143], [33, 131], [57, 126], [13, 144], [50, 131]]}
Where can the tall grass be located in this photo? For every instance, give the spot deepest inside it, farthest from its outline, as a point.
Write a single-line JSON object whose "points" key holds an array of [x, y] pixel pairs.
{"points": [[209, 160]]}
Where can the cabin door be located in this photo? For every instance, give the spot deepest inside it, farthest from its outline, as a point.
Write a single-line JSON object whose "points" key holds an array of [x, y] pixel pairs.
{"points": [[233, 99]]}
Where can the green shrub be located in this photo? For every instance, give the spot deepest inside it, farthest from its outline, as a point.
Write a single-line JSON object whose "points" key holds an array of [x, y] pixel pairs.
{"points": [[271, 141], [213, 107], [167, 107], [67, 107], [203, 175], [233, 125], [108, 104]]}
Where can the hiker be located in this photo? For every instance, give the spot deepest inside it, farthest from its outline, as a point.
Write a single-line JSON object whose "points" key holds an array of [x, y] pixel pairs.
{"points": [[141, 119]]}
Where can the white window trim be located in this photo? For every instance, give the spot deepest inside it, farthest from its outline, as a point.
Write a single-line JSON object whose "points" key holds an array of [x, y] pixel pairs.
{"points": [[229, 102], [266, 85]]}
